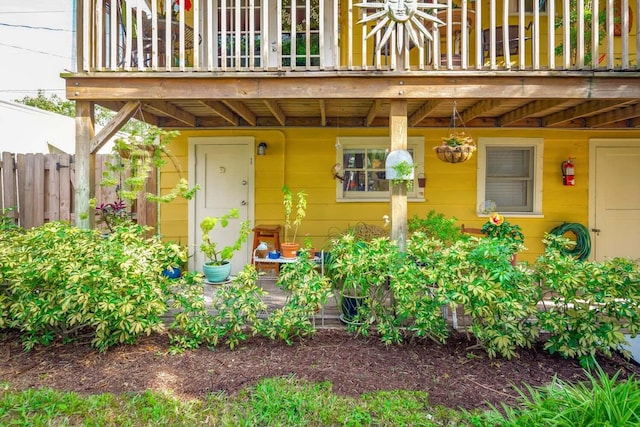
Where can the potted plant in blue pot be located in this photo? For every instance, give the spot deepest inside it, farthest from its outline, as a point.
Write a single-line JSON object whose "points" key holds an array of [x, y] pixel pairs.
{"points": [[217, 267]]}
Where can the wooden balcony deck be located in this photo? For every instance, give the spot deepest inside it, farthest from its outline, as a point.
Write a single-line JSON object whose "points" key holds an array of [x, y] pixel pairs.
{"points": [[229, 63], [343, 35]]}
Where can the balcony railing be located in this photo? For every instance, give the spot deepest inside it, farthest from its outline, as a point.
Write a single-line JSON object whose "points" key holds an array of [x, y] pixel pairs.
{"points": [[332, 35]]}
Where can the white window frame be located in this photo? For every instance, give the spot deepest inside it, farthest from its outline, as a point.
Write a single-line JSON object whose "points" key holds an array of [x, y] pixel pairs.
{"points": [[414, 143], [514, 7], [537, 144]]}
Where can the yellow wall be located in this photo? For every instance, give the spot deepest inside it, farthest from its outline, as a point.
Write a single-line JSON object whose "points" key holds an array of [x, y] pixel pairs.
{"points": [[302, 159]]}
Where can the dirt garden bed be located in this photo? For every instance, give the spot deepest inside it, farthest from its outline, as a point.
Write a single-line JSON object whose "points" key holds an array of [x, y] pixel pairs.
{"points": [[453, 375]]}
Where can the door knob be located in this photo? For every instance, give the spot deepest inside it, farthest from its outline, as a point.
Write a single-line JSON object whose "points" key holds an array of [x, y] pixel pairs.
{"points": [[243, 203], [244, 182]]}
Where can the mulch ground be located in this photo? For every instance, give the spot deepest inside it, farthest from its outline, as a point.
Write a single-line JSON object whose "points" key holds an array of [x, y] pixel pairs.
{"points": [[452, 374]]}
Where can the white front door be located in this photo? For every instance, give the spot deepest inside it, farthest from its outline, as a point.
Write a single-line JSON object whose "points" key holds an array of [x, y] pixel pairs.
{"points": [[224, 170], [615, 182]]}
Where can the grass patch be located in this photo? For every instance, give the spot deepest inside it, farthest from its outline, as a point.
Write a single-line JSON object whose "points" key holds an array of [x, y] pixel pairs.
{"points": [[289, 401], [283, 401]]}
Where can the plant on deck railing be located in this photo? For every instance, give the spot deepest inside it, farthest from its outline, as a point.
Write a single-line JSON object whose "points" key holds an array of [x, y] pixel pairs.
{"points": [[588, 30]]}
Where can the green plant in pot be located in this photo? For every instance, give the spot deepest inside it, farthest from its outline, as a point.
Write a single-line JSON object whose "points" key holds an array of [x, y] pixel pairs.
{"points": [[217, 268], [292, 220], [499, 228]]}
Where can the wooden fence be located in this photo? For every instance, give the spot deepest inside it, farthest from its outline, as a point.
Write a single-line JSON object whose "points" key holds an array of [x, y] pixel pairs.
{"points": [[39, 188]]}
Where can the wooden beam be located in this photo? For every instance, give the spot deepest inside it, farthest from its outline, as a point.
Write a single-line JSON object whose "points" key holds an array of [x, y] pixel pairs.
{"points": [[373, 111], [241, 110], [114, 125], [398, 134], [424, 110], [172, 111], [276, 111], [85, 164], [323, 113], [578, 111], [120, 86], [530, 109], [613, 116], [478, 109], [223, 111]]}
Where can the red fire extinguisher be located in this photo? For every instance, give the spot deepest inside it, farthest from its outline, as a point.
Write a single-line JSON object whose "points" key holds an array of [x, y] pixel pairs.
{"points": [[568, 172]]}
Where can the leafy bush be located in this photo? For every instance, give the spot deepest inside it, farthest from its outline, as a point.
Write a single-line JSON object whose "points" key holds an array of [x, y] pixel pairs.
{"points": [[307, 291], [63, 283], [436, 226], [236, 311], [591, 302]]}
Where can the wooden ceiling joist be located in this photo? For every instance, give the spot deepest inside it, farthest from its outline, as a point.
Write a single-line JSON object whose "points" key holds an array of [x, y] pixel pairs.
{"points": [[424, 110], [373, 111], [276, 111], [577, 112], [172, 111], [522, 113], [240, 109], [479, 109], [613, 116], [223, 111], [323, 113]]}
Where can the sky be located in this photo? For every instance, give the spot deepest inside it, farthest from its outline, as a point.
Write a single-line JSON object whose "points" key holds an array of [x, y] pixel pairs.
{"points": [[36, 45]]}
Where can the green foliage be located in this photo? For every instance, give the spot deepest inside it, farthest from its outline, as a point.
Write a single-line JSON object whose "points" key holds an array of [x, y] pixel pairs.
{"points": [[238, 307], [573, 30], [500, 298], [436, 226], [591, 302], [135, 158], [499, 228], [602, 401], [60, 283], [209, 246], [291, 222], [403, 170], [55, 104], [307, 292]]}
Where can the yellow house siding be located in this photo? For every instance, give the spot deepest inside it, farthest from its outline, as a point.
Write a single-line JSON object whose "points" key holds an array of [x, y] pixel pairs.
{"points": [[302, 159]]}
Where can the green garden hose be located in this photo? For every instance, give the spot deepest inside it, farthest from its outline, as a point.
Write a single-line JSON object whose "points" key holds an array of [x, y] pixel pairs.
{"points": [[582, 249]]}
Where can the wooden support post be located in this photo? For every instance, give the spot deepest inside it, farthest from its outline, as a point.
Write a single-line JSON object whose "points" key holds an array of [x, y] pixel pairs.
{"points": [[85, 164], [398, 134]]}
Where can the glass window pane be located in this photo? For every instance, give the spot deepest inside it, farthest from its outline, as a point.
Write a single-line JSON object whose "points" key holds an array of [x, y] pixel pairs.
{"points": [[376, 181]]}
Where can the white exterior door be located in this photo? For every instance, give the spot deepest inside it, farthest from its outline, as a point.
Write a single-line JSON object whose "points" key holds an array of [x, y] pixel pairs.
{"points": [[615, 184], [224, 170]]}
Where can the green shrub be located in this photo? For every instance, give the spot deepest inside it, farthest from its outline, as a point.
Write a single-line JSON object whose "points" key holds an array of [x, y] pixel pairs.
{"points": [[236, 312], [62, 283], [307, 292], [436, 226], [591, 302]]}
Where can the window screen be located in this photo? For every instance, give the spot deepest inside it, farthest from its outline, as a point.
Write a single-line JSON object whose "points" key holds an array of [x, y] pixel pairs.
{"points": [[510, 178]]}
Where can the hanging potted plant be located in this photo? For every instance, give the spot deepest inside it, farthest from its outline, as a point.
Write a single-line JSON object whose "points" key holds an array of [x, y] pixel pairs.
{"points": [[217, 268], [400, 169], [289, 247], [456, 147]]}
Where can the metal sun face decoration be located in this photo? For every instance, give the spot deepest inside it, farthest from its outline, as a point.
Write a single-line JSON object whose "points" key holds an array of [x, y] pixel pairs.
{"points": [[402, 17]]}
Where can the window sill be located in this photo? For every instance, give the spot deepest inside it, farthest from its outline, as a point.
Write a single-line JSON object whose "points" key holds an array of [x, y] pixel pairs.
{"points": [[379, 200], [513, 215]]}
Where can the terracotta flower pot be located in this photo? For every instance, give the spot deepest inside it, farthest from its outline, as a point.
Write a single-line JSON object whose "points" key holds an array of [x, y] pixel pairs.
{"points": [[289, 250]]}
